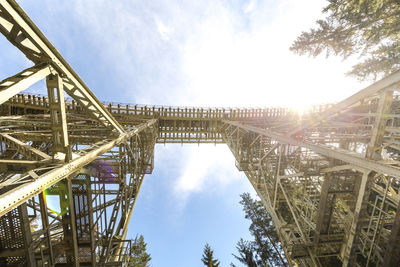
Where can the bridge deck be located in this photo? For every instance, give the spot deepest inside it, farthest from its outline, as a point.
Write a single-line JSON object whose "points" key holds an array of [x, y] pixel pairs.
{"points": [[176, 124]]}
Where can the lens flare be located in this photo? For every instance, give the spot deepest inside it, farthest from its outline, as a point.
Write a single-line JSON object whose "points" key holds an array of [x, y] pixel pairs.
{"points": [[103, 170], [51, 204]]}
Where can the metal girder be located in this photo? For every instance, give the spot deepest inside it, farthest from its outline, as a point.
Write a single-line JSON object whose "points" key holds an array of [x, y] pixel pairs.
{"points": [[26, 150], [336, 153], [283, 179], [91, 228], [354, 229], [19, 166], [123, 227], [69, 224], [21, 81], [58, 116], [375, 145], [323, 203], [46, 228], [23, 33], [253, 154], [392, 255], [21, 194], [302, 234], [388, 83], [61, 144], [374, 151], [27, 235]]}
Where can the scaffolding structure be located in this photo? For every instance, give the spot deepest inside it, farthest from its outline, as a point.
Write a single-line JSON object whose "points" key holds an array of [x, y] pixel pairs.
{"points": [[329, 178]]}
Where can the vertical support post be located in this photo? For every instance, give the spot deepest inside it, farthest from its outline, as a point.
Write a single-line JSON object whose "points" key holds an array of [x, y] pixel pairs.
{"points": [[322, 208], [69, 222], [45, 225], [61, 144], [73, 222], [26, 232], [313, 258], [392, 255], [277, 176], [58, 115], [349, 252], [91, 224], [375, 145], [374, 151]]}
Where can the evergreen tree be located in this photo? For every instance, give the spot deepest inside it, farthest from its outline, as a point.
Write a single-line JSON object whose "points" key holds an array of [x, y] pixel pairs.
{"points": [[265, 249], [246, 254], [138, 256], [208, 257], [369, 29]]}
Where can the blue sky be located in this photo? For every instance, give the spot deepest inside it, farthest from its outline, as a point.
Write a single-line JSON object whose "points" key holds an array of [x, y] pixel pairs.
{"points": [[191, 53]]}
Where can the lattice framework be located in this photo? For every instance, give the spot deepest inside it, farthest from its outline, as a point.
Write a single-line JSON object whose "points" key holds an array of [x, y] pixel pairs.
{"points": [[329, 178]]}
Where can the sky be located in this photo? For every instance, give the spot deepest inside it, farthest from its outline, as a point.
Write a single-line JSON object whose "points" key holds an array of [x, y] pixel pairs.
{"points": [[189, 53]]}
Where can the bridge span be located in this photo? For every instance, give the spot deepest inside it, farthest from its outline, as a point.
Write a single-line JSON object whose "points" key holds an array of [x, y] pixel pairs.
{"points": [[329, 178]]}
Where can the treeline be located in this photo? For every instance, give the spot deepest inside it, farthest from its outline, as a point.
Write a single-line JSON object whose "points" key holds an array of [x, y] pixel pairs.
{"points": [[263, 250]]}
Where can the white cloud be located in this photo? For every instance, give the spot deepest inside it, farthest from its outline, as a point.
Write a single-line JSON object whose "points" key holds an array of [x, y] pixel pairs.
{"points": [[218, 57], [207, 164], [249, 7], [226, 64], [165, 31]]}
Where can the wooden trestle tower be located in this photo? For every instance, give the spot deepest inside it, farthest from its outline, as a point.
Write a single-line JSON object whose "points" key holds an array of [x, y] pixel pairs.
{"points": [[329, 178]]}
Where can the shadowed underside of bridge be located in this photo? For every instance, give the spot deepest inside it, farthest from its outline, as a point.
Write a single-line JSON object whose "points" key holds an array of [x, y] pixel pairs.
{"points": [[329, 178]]}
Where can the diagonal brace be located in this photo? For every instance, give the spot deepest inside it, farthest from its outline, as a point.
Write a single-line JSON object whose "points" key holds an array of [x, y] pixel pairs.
{"points": [[15, 197], [28, 151], [21, 81]]}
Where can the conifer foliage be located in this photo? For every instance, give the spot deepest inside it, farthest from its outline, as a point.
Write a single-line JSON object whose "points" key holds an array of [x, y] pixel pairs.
{"points": [[264, 249], [369, 29], [139, 256], [208, 257], [247, 254]]}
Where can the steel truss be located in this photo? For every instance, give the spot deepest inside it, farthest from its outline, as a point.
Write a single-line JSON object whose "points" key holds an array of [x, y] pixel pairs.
{"points": [[329, 178]]}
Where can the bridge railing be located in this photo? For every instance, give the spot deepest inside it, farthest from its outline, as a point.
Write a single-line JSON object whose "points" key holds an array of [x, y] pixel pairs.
{"points": [[151, 111]]}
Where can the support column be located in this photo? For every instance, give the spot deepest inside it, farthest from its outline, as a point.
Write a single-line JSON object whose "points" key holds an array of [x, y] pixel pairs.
{"points": [[58, 116], [91, 223], [375, 145], [373, 152], [69, 222], [45, 225], [61, 144], [26, 232], [322, 209], [392, 253], [349, 253]]}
